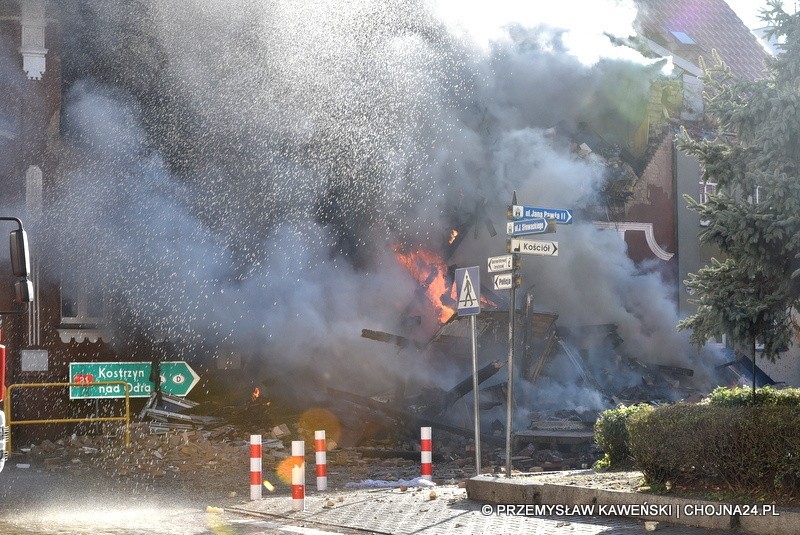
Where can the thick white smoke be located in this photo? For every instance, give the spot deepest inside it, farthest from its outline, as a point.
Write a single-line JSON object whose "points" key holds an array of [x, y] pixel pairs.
{"points": [[239, 177]]}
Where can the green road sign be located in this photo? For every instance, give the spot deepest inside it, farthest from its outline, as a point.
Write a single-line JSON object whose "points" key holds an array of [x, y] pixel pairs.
{"points": [[177, 378]]}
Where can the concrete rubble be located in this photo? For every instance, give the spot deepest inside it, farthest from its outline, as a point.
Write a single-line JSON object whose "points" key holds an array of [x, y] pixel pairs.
{"points": [[171, 442], [220, 457]]}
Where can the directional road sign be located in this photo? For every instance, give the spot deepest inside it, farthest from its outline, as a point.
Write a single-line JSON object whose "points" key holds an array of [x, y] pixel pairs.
{"points": [[537, 225], [500, 263], [541, 248], [503, 281], [563, 217], [468, 283], [177, 378]]}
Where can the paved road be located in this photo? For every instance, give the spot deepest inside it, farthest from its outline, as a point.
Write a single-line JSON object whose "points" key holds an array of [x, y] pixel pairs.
{"points": [[38, 502], [34, 501], [417, 511]]}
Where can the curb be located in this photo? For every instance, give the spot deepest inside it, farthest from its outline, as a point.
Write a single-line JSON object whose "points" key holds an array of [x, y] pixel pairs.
{"points": [[522, 491]]}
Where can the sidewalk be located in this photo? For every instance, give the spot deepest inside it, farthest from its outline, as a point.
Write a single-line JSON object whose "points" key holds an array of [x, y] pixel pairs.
{"points": [[584, 487], [392, 511]]}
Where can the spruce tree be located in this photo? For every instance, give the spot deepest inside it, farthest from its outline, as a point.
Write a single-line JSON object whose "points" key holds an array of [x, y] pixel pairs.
{"points": [[754, 216]]}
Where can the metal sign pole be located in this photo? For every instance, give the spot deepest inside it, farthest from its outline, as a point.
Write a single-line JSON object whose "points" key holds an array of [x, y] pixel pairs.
{"points": [[524, 220], [510, 389], [511, 321], [468, 284], [475, 396]]}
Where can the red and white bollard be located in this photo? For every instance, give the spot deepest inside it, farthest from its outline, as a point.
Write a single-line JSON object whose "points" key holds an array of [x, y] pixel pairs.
{"points": [[426, 454], [321, 447], [298, 475], [255, 467]]}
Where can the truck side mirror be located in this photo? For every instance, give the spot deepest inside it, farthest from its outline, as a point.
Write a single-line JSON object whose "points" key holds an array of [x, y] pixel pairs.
{"points": [[23, 291], [20, 259]]}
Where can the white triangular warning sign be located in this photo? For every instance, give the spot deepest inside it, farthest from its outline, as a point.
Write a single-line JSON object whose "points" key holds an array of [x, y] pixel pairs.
{"points": [[467, 297]]}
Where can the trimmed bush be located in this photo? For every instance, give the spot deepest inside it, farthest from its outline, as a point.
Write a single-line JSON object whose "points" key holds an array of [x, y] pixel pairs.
{"points": [[665, 447], [743, 397], [748, 449], [611, 434]]}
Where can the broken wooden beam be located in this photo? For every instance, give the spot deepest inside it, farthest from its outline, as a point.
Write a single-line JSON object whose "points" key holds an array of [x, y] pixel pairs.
{"points": [[731, 363], [675, 370], [191, 419], [463, 388], [389, 338]]}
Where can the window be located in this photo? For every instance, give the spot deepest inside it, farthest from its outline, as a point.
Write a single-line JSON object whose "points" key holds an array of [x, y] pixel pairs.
{"points": [[720, 341], [706, 189], [683, 38], [79, 305]]}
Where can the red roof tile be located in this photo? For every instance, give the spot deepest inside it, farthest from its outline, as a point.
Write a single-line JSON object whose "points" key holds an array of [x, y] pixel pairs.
{"points": [[712, 24]]}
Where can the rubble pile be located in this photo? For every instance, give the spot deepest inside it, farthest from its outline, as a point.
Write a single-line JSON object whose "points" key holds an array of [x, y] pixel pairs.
{"points": [[182, 455], [558, 440], [177, 454], [220, 458], [216, 456], [165, 444], [177, 440]]}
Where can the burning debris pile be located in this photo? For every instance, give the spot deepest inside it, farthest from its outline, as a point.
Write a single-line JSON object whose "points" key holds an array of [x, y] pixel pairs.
{"points": [[170, 413], [587, 367], [183, 440], [178, 438]]}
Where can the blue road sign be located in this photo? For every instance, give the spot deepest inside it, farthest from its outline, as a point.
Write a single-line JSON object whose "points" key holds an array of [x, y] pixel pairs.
{"points": [[563, 217], [537, 225], [468, 286]]}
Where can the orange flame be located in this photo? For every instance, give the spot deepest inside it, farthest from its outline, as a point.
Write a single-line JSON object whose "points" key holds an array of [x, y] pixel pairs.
{"points": [[453, 236], [256, 394], [430, 272]]}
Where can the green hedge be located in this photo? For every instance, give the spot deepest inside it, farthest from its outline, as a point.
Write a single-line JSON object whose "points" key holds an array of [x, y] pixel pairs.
{"points": [[611, 434], [750, 450], [743, 396]]}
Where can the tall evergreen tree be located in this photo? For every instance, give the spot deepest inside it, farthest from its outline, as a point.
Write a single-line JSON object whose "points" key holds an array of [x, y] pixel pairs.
{"points": [[754, 216]]}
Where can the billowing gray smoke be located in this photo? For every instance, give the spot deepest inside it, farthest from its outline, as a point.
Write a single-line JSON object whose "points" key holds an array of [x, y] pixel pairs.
{"points": [[238, 172]]}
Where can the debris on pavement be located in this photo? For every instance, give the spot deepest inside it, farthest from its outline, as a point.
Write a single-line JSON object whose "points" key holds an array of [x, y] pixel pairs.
{"points": [[403, 484]]}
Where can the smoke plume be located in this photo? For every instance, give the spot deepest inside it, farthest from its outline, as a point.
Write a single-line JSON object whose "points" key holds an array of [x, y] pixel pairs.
{"points": [[237, 173]]}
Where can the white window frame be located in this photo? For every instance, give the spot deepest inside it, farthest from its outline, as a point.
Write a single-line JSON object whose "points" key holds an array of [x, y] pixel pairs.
{"points": [[706, 188], [755, 198], [705, 191]]}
